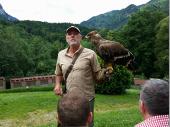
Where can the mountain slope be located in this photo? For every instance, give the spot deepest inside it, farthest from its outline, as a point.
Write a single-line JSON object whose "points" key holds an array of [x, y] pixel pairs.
{"points": [[162, 5], [111, 20], [117, 18], [6, 17]]}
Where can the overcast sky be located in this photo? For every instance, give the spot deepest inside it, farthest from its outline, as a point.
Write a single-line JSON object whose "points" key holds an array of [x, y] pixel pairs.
{"points": [[57, 11]]}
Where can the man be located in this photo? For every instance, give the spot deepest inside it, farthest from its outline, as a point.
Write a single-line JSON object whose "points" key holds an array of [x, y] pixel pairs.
{"points": [[86, 70], [74, 110], [154, 104]]}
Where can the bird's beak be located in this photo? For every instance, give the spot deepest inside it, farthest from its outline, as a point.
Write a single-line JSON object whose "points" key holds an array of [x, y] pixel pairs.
{"points": [[86, 37]]}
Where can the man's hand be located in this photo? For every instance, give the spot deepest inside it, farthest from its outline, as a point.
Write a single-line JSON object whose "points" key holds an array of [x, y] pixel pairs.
{"points": [[108, 72], [103, 75], [58, 90]]}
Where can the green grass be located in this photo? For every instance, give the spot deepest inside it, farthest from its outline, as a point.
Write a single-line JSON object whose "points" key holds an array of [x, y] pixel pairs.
{"points": [[117, 110], [110, 110], [17, 105], [29, 89]]}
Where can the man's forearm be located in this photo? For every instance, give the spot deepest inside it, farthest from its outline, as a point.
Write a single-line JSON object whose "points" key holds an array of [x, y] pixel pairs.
{"points": [[58, 88], [58, 80]]}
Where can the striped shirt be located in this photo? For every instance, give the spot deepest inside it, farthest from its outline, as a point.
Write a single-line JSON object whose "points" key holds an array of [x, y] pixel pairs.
{"points": [[155, 121]]}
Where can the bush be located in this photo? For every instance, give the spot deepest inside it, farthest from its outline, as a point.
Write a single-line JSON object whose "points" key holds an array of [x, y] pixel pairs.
{"points": [[120, 80]]}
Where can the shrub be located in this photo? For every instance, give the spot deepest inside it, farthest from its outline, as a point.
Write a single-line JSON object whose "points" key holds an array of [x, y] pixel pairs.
{"points": [[120, 80]]}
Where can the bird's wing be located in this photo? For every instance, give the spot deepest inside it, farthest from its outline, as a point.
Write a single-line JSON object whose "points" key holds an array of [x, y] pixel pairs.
{"points": [[105, 51], [113, 49]]}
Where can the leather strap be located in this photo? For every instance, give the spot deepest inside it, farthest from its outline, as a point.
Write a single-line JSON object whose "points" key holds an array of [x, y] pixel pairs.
{"points": [[71, 65]]}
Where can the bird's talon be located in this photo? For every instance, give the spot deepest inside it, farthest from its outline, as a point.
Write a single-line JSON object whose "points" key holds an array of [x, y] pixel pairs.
{"points": [[110, 70]]}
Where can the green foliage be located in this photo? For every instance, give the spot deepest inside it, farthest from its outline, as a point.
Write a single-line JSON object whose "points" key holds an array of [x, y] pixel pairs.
{"points": [[155, 5], [113, 35], [86, 44], [14, 53], [120, 80], [31, 47], [161, 49], [139, 36]]}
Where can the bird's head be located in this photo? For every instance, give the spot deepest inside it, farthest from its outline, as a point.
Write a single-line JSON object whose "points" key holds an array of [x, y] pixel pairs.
{"points": [[93, 36]]}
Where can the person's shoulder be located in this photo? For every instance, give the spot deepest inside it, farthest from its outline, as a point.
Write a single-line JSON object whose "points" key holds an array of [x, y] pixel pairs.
{"points": [[63, 51], [89, 51]]}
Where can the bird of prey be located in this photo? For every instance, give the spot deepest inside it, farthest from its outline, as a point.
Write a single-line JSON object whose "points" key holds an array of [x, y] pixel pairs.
{"points": [[113, 53]]}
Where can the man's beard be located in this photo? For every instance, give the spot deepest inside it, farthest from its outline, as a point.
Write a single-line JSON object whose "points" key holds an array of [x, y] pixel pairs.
{"points": [[73, 43]]}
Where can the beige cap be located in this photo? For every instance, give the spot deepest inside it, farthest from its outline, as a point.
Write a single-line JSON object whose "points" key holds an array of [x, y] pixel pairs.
{"points": [[72, 27]]}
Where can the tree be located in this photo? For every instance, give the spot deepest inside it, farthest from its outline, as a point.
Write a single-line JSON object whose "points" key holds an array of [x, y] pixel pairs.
{"points": [[161, 48], [139, 36], [13, 53]]}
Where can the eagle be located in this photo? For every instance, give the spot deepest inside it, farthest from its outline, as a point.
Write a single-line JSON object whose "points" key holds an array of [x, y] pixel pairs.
{"points": [[113, 53]]}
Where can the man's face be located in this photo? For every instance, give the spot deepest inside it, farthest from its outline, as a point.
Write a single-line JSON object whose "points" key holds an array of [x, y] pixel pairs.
{"points": [[73, 37]]}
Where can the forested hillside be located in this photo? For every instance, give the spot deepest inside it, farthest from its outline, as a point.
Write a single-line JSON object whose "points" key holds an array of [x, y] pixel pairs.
{"points": [[117, 18], [30, 47], [111, 20]]}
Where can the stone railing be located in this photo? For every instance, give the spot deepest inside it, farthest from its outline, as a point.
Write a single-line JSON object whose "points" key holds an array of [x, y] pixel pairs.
{"points": [[139, 81], [41, 80], [32, 81]]}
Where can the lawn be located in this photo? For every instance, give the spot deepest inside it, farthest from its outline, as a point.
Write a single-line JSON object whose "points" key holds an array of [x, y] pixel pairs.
{"points": [[38, 109]]}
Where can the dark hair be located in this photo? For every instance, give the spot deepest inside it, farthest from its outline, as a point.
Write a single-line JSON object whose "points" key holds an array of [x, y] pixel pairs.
{"points": [[155, 95], [73, 109]]}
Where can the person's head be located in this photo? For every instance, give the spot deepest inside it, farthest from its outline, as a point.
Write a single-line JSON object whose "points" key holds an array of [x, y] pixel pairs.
{"points": [[154, 98], [73, 36], [74, 109]]}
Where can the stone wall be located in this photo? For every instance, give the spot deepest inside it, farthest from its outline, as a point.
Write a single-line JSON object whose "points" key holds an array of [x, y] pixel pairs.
{"points": [[139, 81], [41, 81], [32, 81]]}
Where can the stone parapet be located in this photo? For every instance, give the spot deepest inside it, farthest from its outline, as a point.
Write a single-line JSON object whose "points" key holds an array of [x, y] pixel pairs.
{"points": [[32, 81]]}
